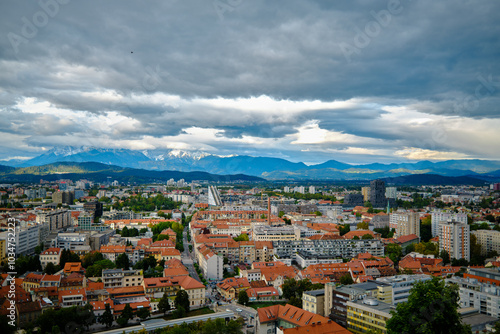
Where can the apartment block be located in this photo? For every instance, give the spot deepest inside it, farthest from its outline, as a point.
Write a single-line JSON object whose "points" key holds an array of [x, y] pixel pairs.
{"points": [[314, 301], [489, 240], [441, 216], [55, 219], [368, 314], [120, 278], [52, 255], [454, 237], [407, 223]]}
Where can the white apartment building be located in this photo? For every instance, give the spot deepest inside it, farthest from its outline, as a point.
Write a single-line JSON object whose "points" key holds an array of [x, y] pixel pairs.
{"points": [[441, 216], [26, 238], [454, 237], [401, 285], [55, 219], [489, 240], [407, 223], [119, 278], [483, 297]]}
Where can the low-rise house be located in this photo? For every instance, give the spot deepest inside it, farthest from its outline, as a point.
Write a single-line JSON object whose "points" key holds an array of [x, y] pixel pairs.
{"points": [[52, 255]]}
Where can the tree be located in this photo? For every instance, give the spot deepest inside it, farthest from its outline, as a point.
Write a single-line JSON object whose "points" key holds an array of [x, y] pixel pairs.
{"points": [[164, 304], [243, 298], [122, 261], [445, 256], [4, 325], [496, 328], [242, 237], [363, 226], [343, 229], [346, 279], [125, 232], [126, 315], [394, 252], [50, 269], [431, 308], [143, 313], [182, 300], [107, 317], [367, 236]]}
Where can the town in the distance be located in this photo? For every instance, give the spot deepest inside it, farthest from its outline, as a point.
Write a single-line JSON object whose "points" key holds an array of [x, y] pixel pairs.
{"points": [[83, 256]]}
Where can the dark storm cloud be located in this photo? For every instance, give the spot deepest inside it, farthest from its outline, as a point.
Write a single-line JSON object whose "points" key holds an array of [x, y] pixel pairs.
{"points": [[439, 58]]}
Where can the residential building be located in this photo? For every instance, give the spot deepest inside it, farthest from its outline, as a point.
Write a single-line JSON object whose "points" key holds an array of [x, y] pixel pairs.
{"points": [[365, 191], [441, 216], [454, 237], [273, 233], [401, 286], [368, 314], [483, 297], [119, 278], [407, 223], [314, 301], [211, 264], [391, 192], [317, 328], [337, 297], [50, 255], [483, 275], [489, 240], [275, 319], [55, 219]]}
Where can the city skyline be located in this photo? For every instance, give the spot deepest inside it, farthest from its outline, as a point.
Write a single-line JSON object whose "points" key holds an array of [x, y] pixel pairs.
{"points": [[390, 81]]}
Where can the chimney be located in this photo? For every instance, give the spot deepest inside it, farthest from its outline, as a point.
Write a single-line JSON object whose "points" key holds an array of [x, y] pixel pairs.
{"points": [[269, 210]]}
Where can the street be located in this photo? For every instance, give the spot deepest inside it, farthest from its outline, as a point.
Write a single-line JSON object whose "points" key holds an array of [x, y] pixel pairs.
{"points": [[186, 257]]}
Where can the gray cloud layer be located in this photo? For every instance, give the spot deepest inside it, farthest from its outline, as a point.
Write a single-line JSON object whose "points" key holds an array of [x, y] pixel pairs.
{"points": [[362, 80]]}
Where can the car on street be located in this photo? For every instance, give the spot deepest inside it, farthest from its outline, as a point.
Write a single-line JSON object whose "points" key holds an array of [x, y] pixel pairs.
{"points": [[238, 310]]}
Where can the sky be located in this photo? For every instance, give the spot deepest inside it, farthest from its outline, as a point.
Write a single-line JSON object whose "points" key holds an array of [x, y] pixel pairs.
{"points": [[304, 80]]}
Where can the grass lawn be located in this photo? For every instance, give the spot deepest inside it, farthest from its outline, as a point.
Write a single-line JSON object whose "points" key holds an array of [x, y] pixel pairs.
{"points": [[258, 305], [192, 313]]}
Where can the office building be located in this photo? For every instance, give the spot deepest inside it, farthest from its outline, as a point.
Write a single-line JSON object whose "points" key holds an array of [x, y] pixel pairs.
{"points": [[377, 194], [214, 196], [93, 207], [454, 237], [354, 200]]}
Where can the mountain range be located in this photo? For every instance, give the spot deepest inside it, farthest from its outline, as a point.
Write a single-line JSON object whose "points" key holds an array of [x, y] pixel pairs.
{"points": [[100, 172], [263, 167]]}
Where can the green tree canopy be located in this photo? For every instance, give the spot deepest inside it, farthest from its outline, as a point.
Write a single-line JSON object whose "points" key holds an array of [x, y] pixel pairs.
{"points": [[431, 308], [243, 297], [164, 304], [182, 300], [122, 261]]}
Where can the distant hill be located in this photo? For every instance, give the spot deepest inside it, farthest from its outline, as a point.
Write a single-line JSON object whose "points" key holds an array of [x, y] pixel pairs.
{"points": [[433, 179], [100, 172]]}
